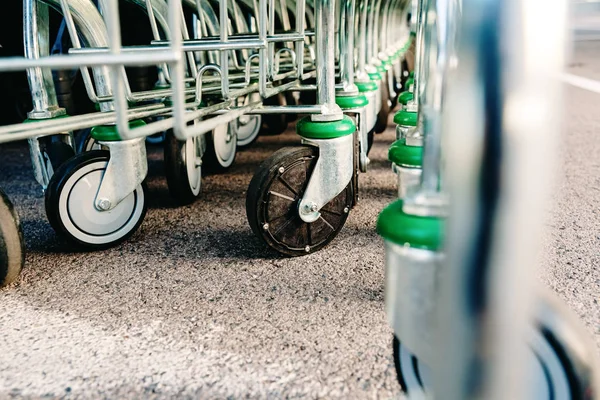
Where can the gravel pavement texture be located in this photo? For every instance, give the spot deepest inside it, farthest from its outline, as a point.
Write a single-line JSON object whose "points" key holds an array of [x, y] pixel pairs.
{"points": [[193, 306]]}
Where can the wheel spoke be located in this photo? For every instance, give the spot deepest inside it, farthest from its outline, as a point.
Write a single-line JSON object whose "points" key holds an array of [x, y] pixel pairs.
{"points": [[287, 185], [330, 212], [327, 223], [283, 226], [283, 196]]}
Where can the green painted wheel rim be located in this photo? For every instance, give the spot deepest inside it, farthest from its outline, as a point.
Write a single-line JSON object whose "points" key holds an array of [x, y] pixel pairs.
{"points": [[325, 130], [414, 231]]}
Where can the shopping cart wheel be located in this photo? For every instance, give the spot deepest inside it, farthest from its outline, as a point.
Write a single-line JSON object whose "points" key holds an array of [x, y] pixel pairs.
{"points": [[85, 142], [383, 115], [56, 153], [412, 375], [246, 129], [274, 124], [70, 204], [183, 167], [370, 140], [12, 250], [272, 204], [221, 147], [552, 375]]}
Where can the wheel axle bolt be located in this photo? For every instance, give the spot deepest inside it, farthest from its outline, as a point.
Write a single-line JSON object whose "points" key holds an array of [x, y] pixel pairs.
{"points": [[281, 170], [312, 207], [265, 226], [104, 204]]}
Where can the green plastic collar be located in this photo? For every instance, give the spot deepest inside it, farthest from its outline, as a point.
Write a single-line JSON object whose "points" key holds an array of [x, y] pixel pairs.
{"points": [[325, 130], [45, 119], [402, 154], [395, 226], [366, 86], [412, 75], [405, 97], [406, 118], [108, 133], [381, 69], [409, 83], [375, 76], [347, 102]]}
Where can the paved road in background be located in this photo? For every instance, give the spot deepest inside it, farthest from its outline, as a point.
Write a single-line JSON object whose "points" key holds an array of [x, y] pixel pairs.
{"points": [[194, 306]]}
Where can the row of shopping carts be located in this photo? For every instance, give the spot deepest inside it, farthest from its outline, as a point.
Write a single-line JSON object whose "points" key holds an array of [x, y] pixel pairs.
{"points": [[205, 79], [209, 76]]}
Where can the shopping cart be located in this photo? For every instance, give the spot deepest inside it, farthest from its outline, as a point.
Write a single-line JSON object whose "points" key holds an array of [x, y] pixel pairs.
{"points": [[459, 244], [222, 72]]}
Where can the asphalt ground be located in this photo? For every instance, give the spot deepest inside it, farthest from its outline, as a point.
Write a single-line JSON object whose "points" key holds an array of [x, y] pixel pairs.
{"points": [[193, 306]]}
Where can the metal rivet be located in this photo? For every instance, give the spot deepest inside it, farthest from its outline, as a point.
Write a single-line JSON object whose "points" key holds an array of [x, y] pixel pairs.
{"points": [[265, 226], [103, 204], [281, 170], [307, 249], [346, 210]]}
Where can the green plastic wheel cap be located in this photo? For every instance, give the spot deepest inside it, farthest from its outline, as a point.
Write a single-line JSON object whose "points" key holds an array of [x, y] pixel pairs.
{"points": [[418, 232], [109, 133], [405, 97], [403, 155], [375, 76], [406, 118], [348, 102], [366, 86], [28, 120], [325, 130]]}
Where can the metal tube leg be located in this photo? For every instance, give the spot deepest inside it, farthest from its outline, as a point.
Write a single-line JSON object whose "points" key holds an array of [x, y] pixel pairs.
{"points": [[325, 31]]}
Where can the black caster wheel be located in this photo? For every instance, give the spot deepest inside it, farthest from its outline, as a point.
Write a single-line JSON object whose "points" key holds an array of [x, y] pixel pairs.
{"points": [[274, 124], [85, 142], [405, 75], [55, 153], [71, 210], [272, 204], [221, 148], [371, 139], [394, 99], [12, 249], [183, 167], [382, 117], [551, 374], [413, 376], [247, 127]]}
